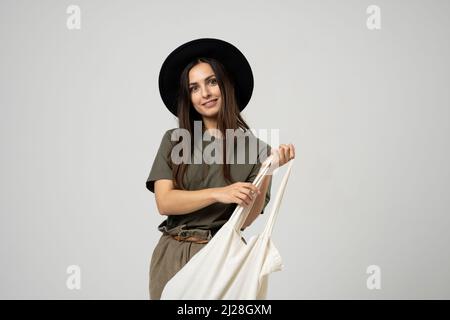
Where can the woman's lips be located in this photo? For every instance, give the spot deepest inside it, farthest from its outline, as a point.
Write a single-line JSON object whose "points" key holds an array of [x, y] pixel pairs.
{"points": [[210, 103]]}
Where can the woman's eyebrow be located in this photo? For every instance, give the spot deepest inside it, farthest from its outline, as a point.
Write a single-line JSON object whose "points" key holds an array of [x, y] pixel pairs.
{"points": [[205, 79]]}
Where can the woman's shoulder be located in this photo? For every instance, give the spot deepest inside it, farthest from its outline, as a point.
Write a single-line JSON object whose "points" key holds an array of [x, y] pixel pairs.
{"points": [[166, 139], [167, 136], [169, 132]]}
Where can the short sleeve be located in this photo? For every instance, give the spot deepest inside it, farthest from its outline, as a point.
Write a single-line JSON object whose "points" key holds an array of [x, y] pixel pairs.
{"points": [[161, 168], [265, 150]]}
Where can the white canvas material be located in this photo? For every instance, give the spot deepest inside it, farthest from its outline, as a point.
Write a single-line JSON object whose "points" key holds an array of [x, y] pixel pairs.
{"points": [[227, 268]]}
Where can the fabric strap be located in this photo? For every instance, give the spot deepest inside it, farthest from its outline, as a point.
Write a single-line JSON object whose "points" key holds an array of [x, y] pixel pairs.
{"points": [[241, 213]]}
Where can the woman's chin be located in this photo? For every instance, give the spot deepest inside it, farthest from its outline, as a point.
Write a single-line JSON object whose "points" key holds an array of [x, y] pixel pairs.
{"points": [[210, 113]]}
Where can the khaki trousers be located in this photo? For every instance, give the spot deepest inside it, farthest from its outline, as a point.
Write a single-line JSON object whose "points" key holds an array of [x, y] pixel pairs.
{"points": [[168, 257]]}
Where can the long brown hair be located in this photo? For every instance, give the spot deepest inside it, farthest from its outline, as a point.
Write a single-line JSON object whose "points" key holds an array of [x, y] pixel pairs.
{"points": [[229, 116]]}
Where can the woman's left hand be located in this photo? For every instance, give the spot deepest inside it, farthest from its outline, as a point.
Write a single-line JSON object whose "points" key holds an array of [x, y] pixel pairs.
{"points": [[286, 152], [282, 155]]}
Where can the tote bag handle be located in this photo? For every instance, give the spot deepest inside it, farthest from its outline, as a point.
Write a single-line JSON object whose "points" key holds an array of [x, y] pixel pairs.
{"points": [[241, 213], [279, 197]]}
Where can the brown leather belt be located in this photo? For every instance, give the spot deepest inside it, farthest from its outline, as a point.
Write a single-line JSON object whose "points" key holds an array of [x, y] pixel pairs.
{"points": [[190, 239]]}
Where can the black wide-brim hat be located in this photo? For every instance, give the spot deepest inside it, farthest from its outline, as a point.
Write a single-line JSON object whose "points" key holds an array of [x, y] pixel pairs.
{"points": [[233, 60]]}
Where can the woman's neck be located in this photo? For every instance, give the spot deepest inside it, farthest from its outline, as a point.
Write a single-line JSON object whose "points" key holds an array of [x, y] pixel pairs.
{"points": [[210, 126], [210, 123]]}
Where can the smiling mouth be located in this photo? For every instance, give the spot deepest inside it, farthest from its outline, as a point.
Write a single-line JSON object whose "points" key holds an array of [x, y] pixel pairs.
{"points": [[210, 103]]}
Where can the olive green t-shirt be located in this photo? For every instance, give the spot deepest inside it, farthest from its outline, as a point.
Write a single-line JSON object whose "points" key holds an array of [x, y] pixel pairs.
{"points": [[202, 176]]}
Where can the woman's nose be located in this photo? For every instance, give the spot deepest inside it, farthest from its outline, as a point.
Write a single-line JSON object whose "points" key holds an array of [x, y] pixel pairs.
{"points": [[205, 92]]}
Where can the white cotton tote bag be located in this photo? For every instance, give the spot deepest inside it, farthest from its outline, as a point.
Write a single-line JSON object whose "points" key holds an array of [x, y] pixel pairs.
{"points": [[227, 268]]}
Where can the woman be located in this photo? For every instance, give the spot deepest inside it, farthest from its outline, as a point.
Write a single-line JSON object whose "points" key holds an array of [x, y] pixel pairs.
{"points": [[207, 82]]}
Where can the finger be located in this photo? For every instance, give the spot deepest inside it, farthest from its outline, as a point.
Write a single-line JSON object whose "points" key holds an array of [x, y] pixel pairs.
{"points": [[239, 201], [248, 197], [252, 187], [247, 191], [292, 151], [282, 155], [244, 195], [286, 153], [244, 198], [247, 187]]}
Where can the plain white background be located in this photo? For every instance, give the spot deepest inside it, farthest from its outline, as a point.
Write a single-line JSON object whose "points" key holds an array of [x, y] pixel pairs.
{"points": [[81, 121]]}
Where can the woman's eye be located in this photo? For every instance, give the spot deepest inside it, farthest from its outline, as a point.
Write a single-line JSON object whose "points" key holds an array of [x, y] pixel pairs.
{"points": [[211, 81]]}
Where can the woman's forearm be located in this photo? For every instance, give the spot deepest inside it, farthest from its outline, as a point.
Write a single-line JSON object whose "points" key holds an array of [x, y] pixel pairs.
{"points": [[259, 202], [178, 202]]}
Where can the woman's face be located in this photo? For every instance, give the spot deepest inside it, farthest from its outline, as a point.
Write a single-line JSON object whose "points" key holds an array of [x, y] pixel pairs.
{"points": [[204, 87]]}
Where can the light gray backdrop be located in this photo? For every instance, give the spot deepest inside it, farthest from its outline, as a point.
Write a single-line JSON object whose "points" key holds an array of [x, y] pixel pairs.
{"points": [[367, 110]]}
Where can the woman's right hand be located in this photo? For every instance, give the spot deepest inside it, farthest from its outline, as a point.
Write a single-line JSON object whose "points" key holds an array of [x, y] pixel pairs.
{"points": [[241, 193]]}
